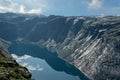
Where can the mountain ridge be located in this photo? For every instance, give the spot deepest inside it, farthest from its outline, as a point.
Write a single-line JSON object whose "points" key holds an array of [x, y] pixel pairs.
{"points": [[85, 42]]}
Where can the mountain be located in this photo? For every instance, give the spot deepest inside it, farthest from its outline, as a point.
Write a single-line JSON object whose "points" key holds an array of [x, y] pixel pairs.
{"points": [[10, 69], [90, 43]]}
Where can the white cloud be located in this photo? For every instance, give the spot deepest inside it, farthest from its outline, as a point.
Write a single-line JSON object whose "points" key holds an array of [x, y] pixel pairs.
{"points": [[10, 6], [2, 8], [32, 11], [20, 58], [30, 67], [95, 4], [22, 9], [7, 5], [24, 64], [37, 11]]}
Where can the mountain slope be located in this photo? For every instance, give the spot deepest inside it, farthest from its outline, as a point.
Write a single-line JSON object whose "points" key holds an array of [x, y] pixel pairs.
{"points": [[10, 69], [92, 44]]}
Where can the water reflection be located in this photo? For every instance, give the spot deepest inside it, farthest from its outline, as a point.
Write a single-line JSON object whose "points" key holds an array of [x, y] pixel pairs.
{"points": [[51, 58], [41, 70]]}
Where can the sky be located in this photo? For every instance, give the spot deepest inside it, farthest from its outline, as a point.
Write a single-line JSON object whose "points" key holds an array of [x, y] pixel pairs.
{"points": [[62, 7]]}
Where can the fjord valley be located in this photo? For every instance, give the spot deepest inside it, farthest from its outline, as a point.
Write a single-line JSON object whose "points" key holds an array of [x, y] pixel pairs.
{"points": [[89, 43]]}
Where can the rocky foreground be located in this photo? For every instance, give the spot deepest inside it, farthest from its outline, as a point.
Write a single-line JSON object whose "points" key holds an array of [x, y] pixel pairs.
{"points": [[10, 69]]}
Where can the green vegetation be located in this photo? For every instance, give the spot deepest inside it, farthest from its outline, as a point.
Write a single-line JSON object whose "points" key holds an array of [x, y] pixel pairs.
{"points": [[10, 69]]}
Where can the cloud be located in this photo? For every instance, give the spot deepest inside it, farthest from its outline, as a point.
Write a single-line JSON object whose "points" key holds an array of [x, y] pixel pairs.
{"points": [[95, 4], [32, 11], [22, 9], [10, 6], [7, 5], [20, 58], [37, 11], [22, 61], [32, 67], [29, 67]]}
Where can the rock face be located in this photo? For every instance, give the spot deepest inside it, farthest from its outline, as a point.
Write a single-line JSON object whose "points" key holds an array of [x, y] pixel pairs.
{"points": [[10, 69], [92, 44]]}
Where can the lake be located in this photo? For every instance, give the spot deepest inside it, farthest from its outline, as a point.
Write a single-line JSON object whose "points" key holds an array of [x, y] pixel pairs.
{"points": [[43, 64]]}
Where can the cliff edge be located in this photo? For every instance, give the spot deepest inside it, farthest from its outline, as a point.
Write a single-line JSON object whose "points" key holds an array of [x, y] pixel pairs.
{"points": [[10, 69]]}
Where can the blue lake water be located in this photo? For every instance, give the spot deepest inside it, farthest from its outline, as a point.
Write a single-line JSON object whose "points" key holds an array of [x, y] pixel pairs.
{"points": [[43, 64]]}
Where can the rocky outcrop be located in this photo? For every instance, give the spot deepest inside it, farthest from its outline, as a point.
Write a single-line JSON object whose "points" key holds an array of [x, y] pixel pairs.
{"points": [[10, 69]]}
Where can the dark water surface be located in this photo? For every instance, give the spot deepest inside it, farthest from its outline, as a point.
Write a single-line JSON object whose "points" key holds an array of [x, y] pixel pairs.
{"points": [[49, 66]]}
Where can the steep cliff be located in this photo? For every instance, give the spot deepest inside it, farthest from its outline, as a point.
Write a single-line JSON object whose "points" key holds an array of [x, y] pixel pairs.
{"points": [[10, 69], [92, 44]]}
